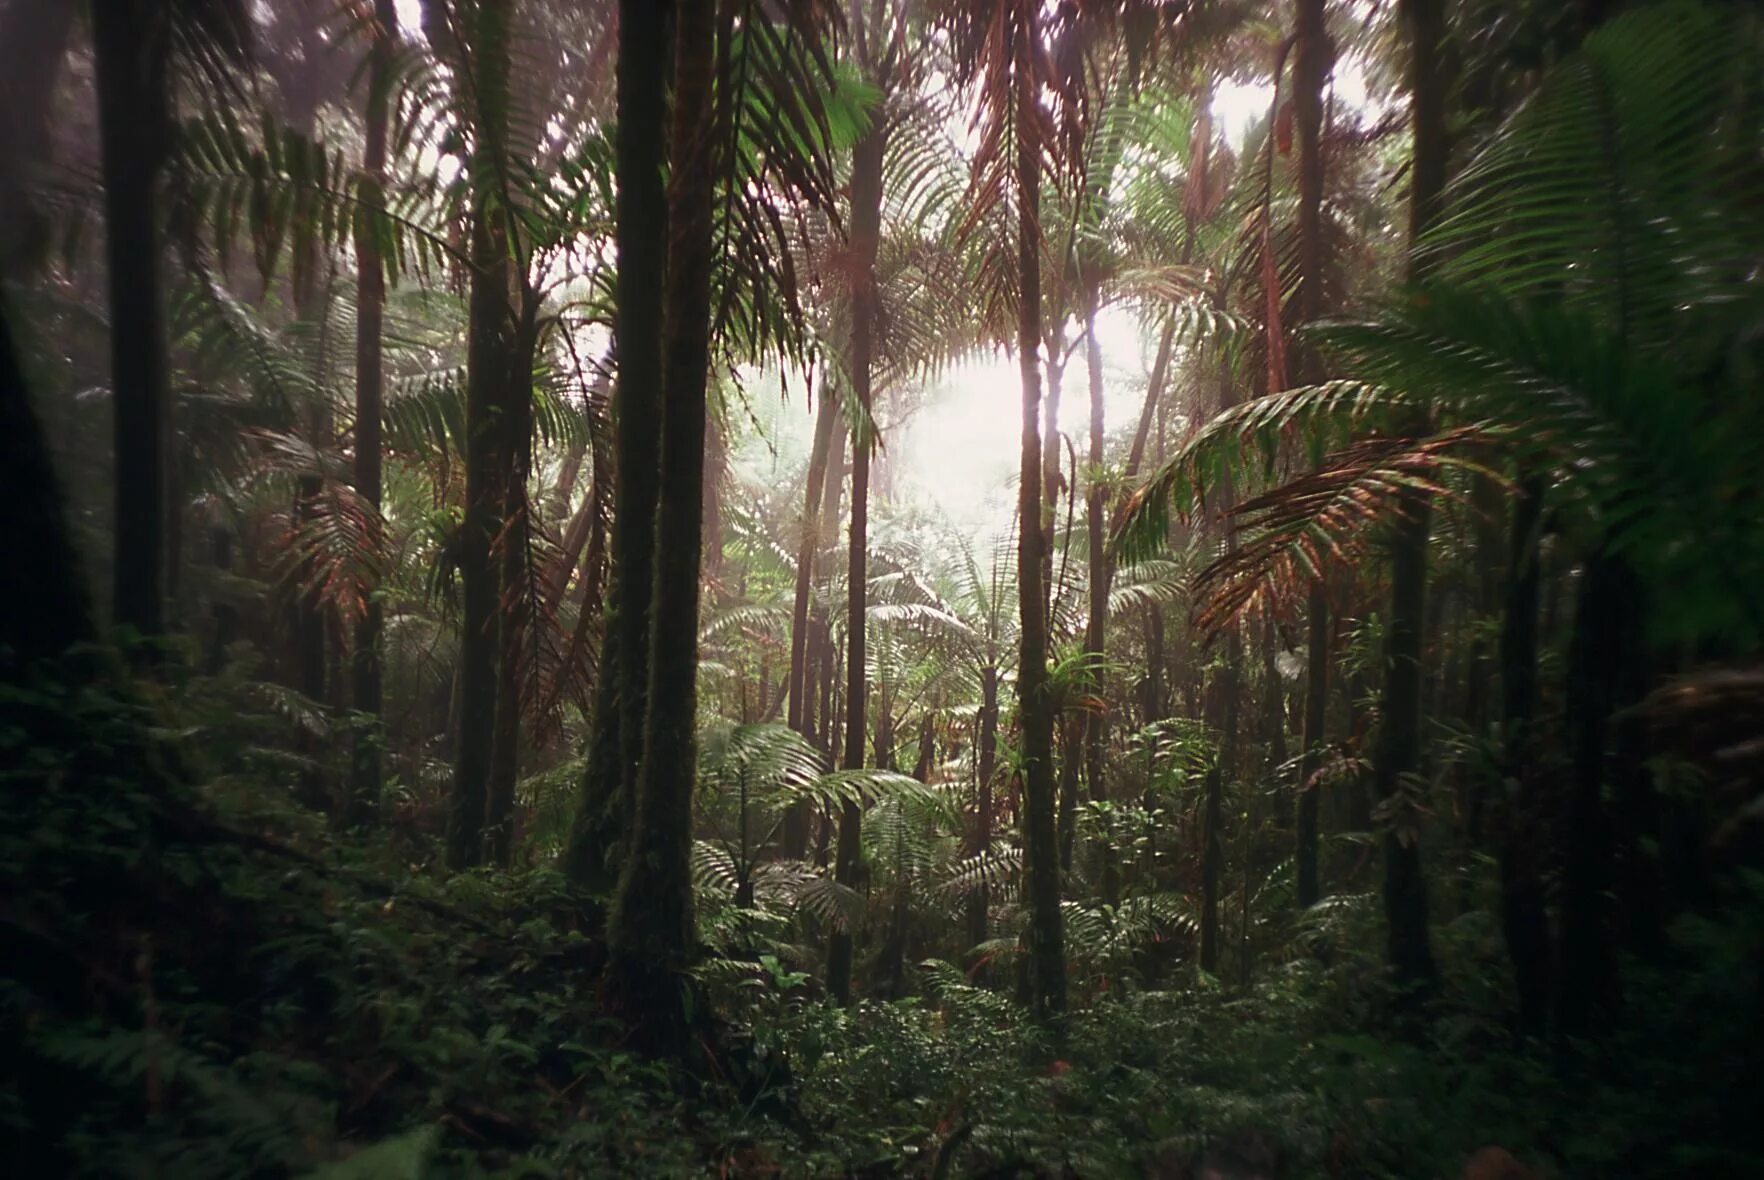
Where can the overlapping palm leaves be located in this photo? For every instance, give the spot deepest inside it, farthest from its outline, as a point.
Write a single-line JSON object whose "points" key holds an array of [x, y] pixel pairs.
{"points": [[1590, 316]]}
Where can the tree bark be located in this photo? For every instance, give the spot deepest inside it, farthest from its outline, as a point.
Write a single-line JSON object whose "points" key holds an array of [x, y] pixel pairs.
{"points": [[1408, 948], [1096, 723], [1047, 959], [490, 342], [866, 228], [603, 816], [800, 705], [1313, 58], [650, 936], [131, 42], [985, 767], [363, 801], [1603, 658], [515, 605]]}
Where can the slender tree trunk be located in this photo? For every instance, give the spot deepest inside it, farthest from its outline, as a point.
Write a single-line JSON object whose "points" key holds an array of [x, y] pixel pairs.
{"points": [[131, 42], [985, 767], [1313, 58], [866, 228], [1524, 921], [603, 818], [1096, 722], [1047, 957], [1310, 889], [650, 936], [1399, 746], [1602, 679], [1154, 392], [1072, 752], [1228, 691], [1224, 701], [798, 690], [490, 343], [363, 802]]}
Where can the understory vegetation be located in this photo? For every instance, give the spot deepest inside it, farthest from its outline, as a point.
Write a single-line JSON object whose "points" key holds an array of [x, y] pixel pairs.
{"points": [[925, 588]]}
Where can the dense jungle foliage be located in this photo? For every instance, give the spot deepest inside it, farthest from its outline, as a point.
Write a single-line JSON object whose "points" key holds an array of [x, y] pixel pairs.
{"points": [[926, 588]]}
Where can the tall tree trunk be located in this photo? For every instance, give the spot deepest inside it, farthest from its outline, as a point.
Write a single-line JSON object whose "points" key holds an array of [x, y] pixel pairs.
{"points": [[48, 606], [1096, 725], [985, 766], [1047, 957], [866, 228], [515, 613], [1524, 922], [650, 935], [1071, 730], [363, 801], [131, 42], [808, 547], [1228, 692], [1399, 740], [1154, 392], [1224, 700], [1604, 656], [491, 341], [1313, 58], [603, 816]]}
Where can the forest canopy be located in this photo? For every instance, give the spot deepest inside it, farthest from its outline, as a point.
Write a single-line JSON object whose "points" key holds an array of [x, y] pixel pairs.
{"points": [[895, 588]]}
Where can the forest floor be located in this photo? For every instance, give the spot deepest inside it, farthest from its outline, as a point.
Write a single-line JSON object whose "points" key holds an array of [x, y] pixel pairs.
{"points": [[213, 984]]}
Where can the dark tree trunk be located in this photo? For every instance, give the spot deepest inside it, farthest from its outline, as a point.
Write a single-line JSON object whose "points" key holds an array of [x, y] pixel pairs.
{"points": [[363, 801], [48, 609], [1524, 922], [650, 935], [1604, 656], [491, 342], [1047, 957], [866, 227], [515, 607], [985, 766], [603, 817], [1310, 889], [1228, 691], [131, 42], [1399, 747], [1313, 58]]}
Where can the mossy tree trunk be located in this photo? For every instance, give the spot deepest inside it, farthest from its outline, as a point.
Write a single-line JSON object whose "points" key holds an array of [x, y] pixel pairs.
{"points": [[1047, 959], [650, 935], [366, 758], [603, 815]]}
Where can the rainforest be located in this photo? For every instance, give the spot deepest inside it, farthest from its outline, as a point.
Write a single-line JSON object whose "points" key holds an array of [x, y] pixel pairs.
{"points": [[882, 588]]}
